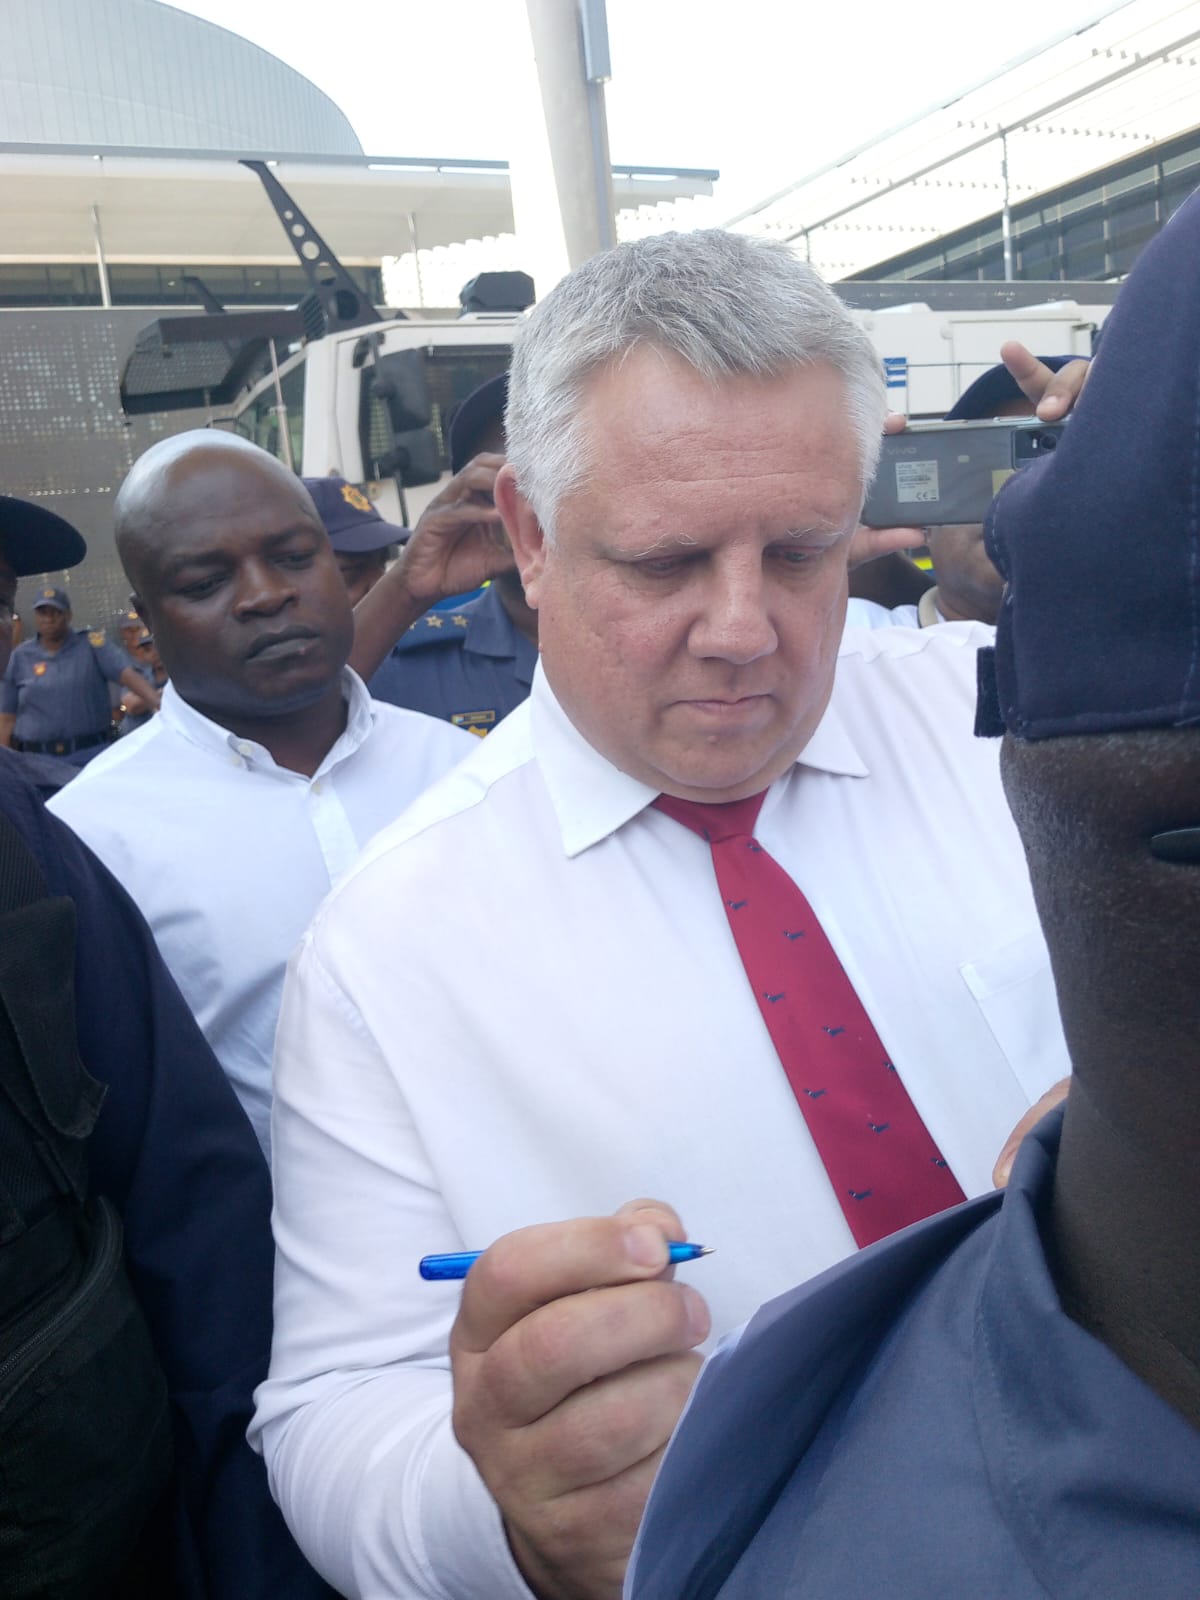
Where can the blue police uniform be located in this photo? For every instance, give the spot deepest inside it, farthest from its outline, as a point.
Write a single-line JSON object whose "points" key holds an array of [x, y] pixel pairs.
{"points": [[925, 1420], [470, 667], [60, 697], [174, 1152]]}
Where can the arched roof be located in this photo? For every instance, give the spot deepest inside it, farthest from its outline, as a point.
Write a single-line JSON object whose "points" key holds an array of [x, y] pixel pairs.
{"points": [[140, 74]]}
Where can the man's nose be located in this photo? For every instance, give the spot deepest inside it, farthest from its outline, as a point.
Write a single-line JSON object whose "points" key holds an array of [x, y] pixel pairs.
{"points": [[735, 623], [263, 589]]}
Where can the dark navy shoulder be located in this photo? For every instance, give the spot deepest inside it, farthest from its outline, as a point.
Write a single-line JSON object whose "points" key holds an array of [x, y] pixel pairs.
{"points": [[436, 630]]}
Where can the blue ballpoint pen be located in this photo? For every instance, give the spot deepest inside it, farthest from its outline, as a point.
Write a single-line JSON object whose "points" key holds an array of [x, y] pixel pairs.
{"points": [[441, 1269]]}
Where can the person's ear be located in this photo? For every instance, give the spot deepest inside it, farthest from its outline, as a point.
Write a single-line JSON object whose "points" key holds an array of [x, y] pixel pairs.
{"points": [[525, 533]]}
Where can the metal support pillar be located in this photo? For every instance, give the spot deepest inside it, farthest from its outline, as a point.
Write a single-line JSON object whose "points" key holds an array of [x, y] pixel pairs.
{"points": [[1006, 212], [571, 51], [101, 263], [416, 250]]}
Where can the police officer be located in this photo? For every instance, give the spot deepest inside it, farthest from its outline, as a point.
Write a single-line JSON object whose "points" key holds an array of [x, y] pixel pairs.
{"points": [[474, 664], [362, 541], [54, 699]]}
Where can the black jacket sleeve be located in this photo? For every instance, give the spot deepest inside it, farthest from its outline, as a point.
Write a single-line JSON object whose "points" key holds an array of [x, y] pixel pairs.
{"points": [[174, 1152]]}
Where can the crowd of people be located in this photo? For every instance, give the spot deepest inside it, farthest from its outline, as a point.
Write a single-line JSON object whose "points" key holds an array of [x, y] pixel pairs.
{"points": [[720, 929]]}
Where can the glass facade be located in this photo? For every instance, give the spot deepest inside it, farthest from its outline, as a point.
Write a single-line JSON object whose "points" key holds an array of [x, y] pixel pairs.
{"points": [[1092, 229], [235, 287]]}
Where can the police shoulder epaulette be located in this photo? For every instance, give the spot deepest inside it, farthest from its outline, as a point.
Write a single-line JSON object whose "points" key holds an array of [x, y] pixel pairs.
{"points": [[96, 637], [434, 628]]}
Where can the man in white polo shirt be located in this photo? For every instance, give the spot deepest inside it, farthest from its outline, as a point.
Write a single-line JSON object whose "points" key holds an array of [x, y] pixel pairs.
{"points": [[269, 767], [623, 992]]}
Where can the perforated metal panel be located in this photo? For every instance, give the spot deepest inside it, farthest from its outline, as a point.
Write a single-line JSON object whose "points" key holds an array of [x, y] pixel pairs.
{"points": [[64, 441]]}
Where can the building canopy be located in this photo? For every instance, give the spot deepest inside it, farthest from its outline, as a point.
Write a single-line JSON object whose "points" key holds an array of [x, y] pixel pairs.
{"points": [[1122, 82]]}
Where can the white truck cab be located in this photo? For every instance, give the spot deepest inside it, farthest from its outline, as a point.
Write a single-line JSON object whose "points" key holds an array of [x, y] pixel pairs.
{"points": [[335, 421]]}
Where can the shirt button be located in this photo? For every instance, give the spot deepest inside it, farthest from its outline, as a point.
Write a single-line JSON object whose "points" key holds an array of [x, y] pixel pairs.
{"points": [[318, 787], [245, 749]]}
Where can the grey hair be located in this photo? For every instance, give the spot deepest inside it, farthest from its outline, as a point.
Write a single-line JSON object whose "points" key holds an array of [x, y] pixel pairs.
{"points": [[727, 304]]}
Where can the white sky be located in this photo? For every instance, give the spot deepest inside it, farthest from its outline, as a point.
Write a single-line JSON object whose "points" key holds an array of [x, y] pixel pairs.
{"points": [[764, 90]]}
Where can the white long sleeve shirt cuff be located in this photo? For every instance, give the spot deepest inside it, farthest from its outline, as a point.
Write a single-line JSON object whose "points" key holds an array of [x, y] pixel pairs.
{"points": [[367, 1505]]}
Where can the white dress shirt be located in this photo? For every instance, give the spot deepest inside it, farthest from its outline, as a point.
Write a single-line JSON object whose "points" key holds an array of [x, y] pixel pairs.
{"points": [[567, 1026], [229, 855], [870, 614]]}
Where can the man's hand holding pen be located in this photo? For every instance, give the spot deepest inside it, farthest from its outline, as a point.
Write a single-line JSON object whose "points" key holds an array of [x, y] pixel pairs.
{"points": [[573, 1354]]}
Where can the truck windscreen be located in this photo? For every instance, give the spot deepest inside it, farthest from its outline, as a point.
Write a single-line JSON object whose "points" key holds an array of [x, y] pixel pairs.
{"points": [[451, 373]]}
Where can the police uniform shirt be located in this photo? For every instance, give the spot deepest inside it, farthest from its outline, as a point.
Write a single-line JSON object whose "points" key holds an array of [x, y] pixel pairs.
{"points": [[925, 1420], [63, 693], [470, 666]]}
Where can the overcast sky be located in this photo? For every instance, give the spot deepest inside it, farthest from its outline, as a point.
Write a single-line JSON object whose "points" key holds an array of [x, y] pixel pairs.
{"points": [[764, 90]]}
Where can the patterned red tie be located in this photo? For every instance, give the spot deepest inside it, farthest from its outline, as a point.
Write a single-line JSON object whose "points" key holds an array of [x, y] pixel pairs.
{"points": [[884, 1167]]}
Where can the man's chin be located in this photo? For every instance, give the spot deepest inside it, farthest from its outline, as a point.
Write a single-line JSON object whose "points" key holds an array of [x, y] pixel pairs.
{"points": [[264, 702], [725, 776]]}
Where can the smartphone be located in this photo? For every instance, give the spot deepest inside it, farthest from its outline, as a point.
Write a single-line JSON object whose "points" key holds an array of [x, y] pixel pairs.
{"points": [[941, 472]]}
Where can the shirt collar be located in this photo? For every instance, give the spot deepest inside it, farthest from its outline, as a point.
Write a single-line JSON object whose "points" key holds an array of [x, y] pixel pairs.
{"points": [[1068, 1430], [73, 638], [492, 632], [592, 798], [210, 736]]}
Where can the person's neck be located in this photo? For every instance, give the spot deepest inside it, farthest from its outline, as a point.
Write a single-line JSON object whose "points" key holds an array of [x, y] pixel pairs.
{"points": [[53, 646], [512, 597], [963, 607], [297, 740], [1124, 1232]]}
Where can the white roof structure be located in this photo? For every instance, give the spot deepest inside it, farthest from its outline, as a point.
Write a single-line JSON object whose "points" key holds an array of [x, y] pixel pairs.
{"points": [[171, 206], [1125, 80]]}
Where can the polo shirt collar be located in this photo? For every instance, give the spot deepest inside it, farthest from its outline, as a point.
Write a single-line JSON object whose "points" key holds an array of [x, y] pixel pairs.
{"points": [[211, 737], [592, 798], [71, 642], [1068, 1430], [492, 632]]}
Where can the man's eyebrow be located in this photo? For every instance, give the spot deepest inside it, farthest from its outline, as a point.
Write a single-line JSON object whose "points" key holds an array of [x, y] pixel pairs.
{"points": [[666, 541], [173, 565], [819, 529], [217, 557]]}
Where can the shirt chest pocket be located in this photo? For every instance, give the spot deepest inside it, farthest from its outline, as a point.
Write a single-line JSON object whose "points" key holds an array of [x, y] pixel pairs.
{"points": [[1014, 989]]}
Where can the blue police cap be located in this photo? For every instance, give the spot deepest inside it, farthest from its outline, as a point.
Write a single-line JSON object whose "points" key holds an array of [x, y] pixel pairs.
{"points": [[52, 599], [1099, 543], [351, 521], [478, 411], [33, 539]]}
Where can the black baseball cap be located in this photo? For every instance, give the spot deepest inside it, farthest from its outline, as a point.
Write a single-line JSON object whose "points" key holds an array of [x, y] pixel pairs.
{"points": [[1099, 629], [36, 540], [479, 410], [994, 388]]}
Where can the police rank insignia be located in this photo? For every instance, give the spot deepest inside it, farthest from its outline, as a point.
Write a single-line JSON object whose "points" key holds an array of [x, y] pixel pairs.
{"points": [[479, 723], [96, 638], [356, 498]]}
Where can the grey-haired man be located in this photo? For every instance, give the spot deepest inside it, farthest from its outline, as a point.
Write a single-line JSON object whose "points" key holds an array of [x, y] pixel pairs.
{"points": [[692, 421]]}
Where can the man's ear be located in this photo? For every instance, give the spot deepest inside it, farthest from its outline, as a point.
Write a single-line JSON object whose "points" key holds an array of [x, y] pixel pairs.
{"points": [[525, 532]]}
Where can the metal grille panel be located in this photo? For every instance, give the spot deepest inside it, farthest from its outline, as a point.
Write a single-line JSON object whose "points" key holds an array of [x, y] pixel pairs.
{"points": [[64, 440]]}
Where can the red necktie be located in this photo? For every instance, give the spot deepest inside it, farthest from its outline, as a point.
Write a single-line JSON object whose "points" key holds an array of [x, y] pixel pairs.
{"points": [[884, 1167]]}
